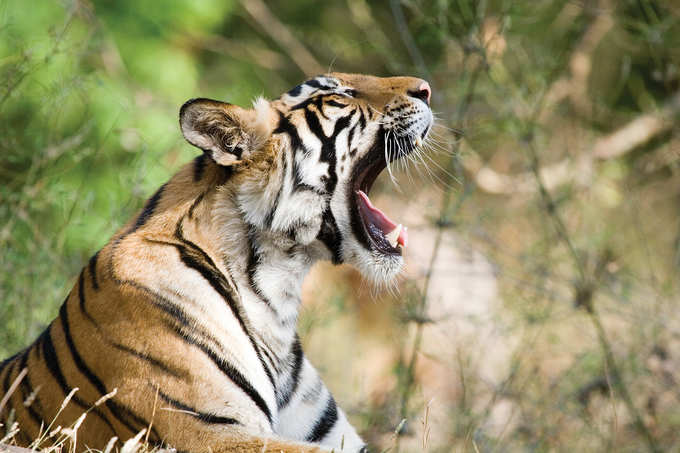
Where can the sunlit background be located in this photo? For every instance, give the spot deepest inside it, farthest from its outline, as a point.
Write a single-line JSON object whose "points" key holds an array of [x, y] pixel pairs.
{"points": [[539, 306]]}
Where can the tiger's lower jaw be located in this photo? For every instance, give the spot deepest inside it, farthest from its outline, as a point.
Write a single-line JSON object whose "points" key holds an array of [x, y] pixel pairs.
{"points": [[385, 269], [379, 269]]}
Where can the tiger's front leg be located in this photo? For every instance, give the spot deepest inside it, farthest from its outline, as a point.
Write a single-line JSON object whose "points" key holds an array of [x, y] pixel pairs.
{"points": [[310, 414]]}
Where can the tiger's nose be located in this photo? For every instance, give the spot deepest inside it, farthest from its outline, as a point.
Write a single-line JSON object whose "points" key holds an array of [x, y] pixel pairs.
{"points": [[423, 92]]}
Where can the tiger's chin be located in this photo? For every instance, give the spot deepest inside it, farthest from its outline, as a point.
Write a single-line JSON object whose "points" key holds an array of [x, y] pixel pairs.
{"points": [[380, 269]]}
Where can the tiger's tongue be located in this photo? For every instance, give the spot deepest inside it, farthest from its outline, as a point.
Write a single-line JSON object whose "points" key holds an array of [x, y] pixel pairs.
{"points": [[380, 220]]}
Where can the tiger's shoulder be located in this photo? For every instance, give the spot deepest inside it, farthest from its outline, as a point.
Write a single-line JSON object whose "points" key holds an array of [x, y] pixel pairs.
{"points": [[192, 306]]}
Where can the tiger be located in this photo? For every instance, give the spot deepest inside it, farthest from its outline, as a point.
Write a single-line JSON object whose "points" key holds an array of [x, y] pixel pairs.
{"points": [[184, 326]]}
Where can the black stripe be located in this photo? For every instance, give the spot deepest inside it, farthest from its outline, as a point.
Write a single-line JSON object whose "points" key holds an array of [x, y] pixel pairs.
{"points": [[251, 269], [177, 314], [193, 206], [225, 173], [50, 359], [304, 186], [7, 361], [315, 127], [270, 215], [77, 358], [187, 326], [122, 413], [182, 325], [225, 367], [297, 363], [271, 357], [52, 362], [214, 278], [294, 380], [362, 119], [325, 423], [295, 91], [286, 127], [335, 103], [327, 144], [217, 280], [341, 124], [81, 297], [330, 235], [317, 101], [149, 208], [180, 374], [316, 84], [93, 271], [202, 416], [8, 365], [173, 311], [350, 136], [125, 414], [329, 232], [27, 389], [199, 167]]}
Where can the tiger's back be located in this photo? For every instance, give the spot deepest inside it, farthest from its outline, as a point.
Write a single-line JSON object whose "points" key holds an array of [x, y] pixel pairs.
{"points": [[110, 332], [184, 324]]}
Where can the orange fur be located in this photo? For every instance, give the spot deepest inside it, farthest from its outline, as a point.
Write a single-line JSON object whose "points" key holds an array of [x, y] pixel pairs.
{"points": [[133, 273]]}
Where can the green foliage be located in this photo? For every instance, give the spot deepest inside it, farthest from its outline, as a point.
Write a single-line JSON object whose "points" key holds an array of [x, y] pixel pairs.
{"points": [[78, 155]]}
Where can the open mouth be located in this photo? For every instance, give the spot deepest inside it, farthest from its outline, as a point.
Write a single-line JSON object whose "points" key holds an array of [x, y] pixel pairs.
{"points": [[372, 226]]}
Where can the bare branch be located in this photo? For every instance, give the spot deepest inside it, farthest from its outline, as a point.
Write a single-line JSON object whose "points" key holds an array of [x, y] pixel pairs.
{"points": [[271, 25], [575, 86], [620, 142], [14, 449], [638, 131], [12, 388], [240, 50], [409, 42]]}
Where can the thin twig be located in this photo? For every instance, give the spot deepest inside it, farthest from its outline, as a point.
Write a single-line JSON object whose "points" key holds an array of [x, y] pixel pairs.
{"points": [[586, 287], [627, 138], [442, 224], [409, 42], [4, 448], [12, 388], [271, 25]]}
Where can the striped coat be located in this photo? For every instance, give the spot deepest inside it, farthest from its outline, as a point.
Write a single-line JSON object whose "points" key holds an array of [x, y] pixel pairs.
{"points": [[184, 324]]}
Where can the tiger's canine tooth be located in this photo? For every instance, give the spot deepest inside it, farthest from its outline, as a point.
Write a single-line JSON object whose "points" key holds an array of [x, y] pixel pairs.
{"points": [[393, 236], [419, 141]]}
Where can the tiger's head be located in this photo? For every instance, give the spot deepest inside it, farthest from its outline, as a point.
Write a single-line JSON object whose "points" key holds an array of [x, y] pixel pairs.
{"points": [[305, 163]]}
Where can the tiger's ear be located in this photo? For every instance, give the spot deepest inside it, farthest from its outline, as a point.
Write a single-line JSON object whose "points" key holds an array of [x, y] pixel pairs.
{"points": [[227, 132]]}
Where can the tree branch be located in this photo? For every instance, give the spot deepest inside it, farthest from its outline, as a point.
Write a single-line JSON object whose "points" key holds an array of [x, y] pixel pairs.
{"points": [[620, 142], [271, 25]]}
